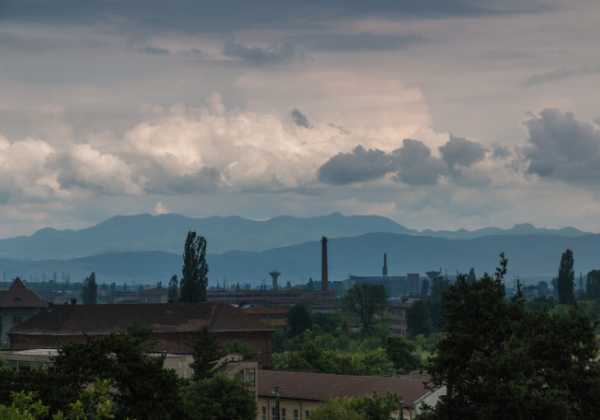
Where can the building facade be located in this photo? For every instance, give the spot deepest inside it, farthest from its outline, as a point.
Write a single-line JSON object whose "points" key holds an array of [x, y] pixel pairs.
{"points": [[173, 326], [295, 395], [17, 304]]}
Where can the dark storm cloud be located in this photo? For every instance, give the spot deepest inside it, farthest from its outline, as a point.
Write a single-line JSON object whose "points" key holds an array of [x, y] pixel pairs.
{"points": [[300, 119], [563, 148], [412, 163], [358, 166], [463, 152], [228, 15], [260, 56]]}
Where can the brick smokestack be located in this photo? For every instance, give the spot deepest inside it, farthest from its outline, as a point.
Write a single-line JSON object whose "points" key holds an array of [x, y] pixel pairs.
{"points": [[324, 265]]}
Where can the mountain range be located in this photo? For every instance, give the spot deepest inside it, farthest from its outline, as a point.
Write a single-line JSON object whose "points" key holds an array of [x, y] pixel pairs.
{"points": [[166, 233], [530, 257]]}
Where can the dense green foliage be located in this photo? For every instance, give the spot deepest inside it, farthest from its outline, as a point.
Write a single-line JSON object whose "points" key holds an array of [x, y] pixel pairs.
{"points": [[218, 398], [206, 352], [145, 389], [418, 318], [593, 285], [501, 361], [194, 279], [94, 403], [365, 301], [331, 348], [129, 383], [299, 320], [366, 408]]}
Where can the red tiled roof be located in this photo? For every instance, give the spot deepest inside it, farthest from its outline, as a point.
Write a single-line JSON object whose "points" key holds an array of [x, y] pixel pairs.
{"points": [[19, 296], [310, 386], [160, 318]]}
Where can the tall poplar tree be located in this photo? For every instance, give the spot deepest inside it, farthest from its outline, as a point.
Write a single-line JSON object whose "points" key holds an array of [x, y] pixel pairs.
{"points": [[566, 279], [194, 279]]}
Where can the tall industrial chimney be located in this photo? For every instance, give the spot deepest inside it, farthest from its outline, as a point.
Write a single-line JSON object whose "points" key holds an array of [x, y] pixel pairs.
{"points": [[324, 265], [384, 271]]}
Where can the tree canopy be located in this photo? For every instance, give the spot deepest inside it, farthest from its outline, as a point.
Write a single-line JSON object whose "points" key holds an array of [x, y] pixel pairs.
{"points": [[366, 301], [500, 361], [299, 320]]}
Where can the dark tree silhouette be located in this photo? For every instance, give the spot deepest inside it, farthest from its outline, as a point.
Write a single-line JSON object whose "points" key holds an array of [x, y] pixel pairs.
{"points": [[173, 289], [566, 279], [299, 320], [593, 285], [195, 269], [89, 291]]}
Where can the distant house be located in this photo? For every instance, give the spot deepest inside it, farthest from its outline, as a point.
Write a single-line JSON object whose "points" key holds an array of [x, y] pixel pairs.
{"points": [[173, 326], [17, 304], [297, 394]]}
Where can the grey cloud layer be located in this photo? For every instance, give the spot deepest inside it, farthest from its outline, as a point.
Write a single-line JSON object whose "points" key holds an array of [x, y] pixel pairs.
{"points": [[412, 163], [259, 56], [563, 148], [227, 15]]}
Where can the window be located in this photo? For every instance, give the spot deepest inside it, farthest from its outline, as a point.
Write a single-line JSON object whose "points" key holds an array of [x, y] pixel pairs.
{"points": [[296, 415], [273, 413], [251, 376], [307, 414], [283, 414], [264, 413]]}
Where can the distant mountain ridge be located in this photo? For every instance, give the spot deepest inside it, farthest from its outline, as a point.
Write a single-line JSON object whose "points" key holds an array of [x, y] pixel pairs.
{"points": [[530, 256], [166, 233]]}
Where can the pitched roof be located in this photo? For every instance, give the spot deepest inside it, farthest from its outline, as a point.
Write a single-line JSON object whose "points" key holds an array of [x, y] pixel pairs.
{"points": [[160, 318], [19, 296], [310, 386]]}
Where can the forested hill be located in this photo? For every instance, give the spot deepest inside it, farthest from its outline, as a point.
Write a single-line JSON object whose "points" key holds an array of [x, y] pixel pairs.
{"points": [[529, 256], [166, 233]]}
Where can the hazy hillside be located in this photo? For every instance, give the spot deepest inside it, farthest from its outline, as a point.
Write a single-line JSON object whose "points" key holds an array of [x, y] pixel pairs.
{"points": [[528, 255], [166, 233]]}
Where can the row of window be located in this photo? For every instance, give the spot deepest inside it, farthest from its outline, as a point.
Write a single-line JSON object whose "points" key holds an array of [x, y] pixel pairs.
{"points": [[296, 414]]}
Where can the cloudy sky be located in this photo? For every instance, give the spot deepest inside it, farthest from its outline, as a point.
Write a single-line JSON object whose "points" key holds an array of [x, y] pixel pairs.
{"points": [[437, 113]]}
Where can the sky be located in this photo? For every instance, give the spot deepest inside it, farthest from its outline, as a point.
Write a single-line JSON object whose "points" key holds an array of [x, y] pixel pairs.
{"points": [[435, 113]]}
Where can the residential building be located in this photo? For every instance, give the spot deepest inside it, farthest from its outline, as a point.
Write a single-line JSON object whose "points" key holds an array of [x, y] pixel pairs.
{"points": [[17, 304], [295, 395], [173, 326]]}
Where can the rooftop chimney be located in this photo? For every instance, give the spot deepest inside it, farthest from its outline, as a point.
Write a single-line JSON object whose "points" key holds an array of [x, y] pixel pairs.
{"points": [[324, 265], [384, 271]]}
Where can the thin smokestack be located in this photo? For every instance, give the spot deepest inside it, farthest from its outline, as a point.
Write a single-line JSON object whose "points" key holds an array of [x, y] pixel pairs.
{"points": [[384, 271], [324, 265]]}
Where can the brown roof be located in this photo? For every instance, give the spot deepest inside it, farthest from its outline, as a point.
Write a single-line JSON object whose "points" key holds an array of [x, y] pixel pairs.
{"points": [[324, 386], [19, 296], [105, 319], [267, 310]]}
